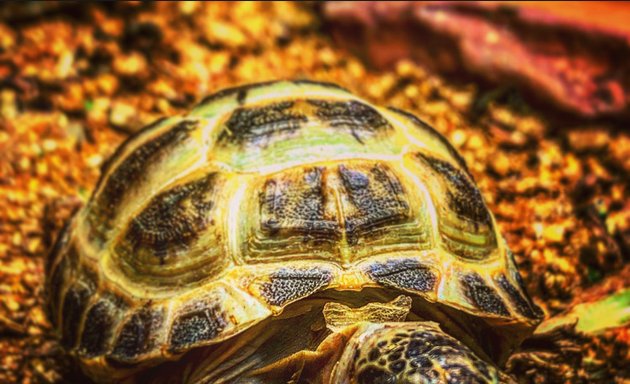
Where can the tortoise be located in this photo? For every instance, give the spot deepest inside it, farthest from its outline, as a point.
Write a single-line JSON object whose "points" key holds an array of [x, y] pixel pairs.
{"points": [[287, 231]]}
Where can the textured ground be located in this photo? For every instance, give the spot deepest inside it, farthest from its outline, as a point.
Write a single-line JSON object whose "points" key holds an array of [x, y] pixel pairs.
{"points": [[76, 80]]}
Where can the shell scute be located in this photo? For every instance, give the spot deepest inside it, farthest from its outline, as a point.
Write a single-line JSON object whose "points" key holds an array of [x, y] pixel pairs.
{"points": [[463, 197], [177, 235], [173, 219], [483, 296], [197, 323], [293, 214], [257, 126], [372, 200], [518, 300], [404, 274], [288, 285], [133, 169], [98, 330], [296, 203], [465, 223], [138, 335]]}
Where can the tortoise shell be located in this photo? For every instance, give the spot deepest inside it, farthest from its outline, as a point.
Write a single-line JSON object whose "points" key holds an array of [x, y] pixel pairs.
{"points": [[206, 224]]}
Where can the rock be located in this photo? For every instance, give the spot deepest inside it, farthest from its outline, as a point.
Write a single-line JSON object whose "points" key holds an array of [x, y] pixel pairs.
{"points": [[554, 233], [500, 163], [531, 45], [123, 116], [218, 32], [133, 64], [592, 139]]}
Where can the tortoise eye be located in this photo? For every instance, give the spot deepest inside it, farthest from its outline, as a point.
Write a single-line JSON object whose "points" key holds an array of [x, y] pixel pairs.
{"points": [[165, 238]]}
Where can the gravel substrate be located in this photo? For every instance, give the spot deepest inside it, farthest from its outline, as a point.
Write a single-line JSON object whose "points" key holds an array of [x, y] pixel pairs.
{"points": [[76, 80]]}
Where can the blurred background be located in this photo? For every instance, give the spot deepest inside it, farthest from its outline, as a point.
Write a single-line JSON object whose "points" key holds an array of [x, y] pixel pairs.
{"points": [[535, 96]]}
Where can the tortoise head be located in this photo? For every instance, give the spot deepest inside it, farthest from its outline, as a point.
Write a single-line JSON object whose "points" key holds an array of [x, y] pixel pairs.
{"points": [[409, 352], [375, 345]]}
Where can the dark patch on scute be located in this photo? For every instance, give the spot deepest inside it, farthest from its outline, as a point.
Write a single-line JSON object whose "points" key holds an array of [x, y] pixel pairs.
{"points": [[239, 91], [137, 335], [133, 170], [173, 219], [287, 285], [483, 296], [97, 329], [422, 125], [257, 126], [374, 375], [297, 206], [377, 197], [520, 303], [360, 119], [463, 196], [74, 305], [407, 274], [201, 323]]}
